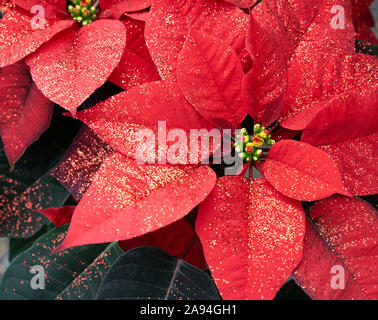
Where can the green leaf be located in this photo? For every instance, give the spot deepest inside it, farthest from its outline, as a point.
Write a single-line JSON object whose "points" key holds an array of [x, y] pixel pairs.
{"points": [[17, 246], [150, 273], [74, 273], [87, 284], [18, 215]]}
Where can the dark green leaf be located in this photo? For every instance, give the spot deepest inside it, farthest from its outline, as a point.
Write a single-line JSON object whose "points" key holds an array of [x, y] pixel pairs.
{"points": [[18, 215], [291, 291], [18, 246], [150, 273], [75, 273]]}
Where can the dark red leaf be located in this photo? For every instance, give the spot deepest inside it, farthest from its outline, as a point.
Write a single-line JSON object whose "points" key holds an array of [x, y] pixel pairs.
{"points": [[283, 134], [364, 32], [209, 74], [252, 237], [75, 63], [59, 216], [302, 172], [127, 200], [81, 162], [178, 239], [360, 7], [341, 233], [25, 113]]}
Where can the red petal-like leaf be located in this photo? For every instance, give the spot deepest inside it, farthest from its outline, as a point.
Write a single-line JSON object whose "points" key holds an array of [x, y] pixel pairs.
{"points": [[136, 66], [5, 5], [129, 5], [242, 3], [18, 39], [81, 162], [209, 74], [252, 237], [265, 84], [340, 247], [320, 68], [323, 69], [25, 113], [118, 7], [302, 172], [357, 161], [59, 216], [139, 15], [178, 239], [289, 20], [347, 131], [53, 9], [169, 22], [75, 63], [126, 200], [118, 119], [343, 77], [338, 122]]}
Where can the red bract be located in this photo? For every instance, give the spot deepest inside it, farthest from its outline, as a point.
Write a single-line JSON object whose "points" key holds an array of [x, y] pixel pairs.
{"points": [[319, 69], [210, 75], [59, 216], [117, 119], [18, 39], [126, 200], [118, 7], [24, 112], [53, 9], [136, 66], [266, 82], [242, 3], [5, 5], [348, 133], [302, 172], [169, 22], [340, 251], [66, 68], [251, 246], [74, 63]]}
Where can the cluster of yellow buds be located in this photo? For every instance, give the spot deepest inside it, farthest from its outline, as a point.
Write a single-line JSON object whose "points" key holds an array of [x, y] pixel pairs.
{"points": [[248, 146], [83, 11]]}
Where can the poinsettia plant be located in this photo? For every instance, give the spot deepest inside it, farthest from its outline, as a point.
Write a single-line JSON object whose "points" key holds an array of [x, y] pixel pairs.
{"points": [[222, 149]]}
